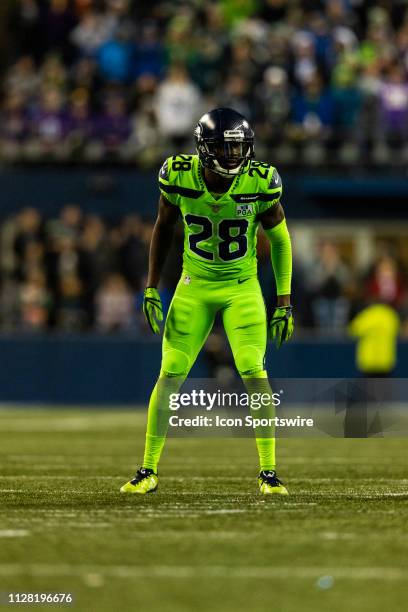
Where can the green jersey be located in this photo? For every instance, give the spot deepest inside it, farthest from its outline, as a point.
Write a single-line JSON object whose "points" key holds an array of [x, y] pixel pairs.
{"points": [[219, 230]]}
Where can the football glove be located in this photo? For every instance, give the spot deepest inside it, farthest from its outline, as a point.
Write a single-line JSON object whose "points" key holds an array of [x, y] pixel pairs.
{"points": [[281, 325], [152, 308]]}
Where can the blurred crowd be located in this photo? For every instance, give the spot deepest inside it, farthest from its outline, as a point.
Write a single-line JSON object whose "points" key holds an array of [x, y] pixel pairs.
{"points": [[79, 272], [71, 273], [122, 80], [330, 288]]}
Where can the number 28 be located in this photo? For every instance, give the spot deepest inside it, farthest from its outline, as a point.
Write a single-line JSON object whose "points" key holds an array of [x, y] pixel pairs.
{"points": [[224, 232]]}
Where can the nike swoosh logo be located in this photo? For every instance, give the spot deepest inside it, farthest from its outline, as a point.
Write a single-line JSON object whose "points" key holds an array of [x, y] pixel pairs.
{"points": [[242, 280]]}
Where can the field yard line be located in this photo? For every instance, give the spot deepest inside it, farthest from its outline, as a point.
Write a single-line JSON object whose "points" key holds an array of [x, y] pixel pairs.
{"points": [[374, 479], [216, 571], [13, 533]]}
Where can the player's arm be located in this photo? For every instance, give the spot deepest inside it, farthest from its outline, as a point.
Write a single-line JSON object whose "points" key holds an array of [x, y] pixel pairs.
{"points": [[274, 223], [162, 237]]}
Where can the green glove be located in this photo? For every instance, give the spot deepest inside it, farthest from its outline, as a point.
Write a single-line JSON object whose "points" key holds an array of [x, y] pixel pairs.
{"points": [[281, 325], [152, 308]]}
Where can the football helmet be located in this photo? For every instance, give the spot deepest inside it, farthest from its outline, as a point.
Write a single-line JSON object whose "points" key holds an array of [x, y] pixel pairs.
{"points": [[224, 141]]}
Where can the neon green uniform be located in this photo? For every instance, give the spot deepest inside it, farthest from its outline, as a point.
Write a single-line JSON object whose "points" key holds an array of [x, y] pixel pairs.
{"points": [[220, 232], [219, 264], [219, 275]]}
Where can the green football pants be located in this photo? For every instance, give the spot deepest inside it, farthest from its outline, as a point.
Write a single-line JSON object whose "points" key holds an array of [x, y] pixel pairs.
{"points": [[189, 321], [191, 317]]}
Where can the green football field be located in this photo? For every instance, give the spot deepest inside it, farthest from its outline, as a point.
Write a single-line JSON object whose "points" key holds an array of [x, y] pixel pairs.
{"points": [[206, 541]]}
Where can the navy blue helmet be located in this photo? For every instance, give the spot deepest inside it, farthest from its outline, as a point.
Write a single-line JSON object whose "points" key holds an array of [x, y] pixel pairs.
{"points": [[224, 141]]}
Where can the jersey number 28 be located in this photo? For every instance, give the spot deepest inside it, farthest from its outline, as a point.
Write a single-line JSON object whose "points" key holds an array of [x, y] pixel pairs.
{"points": [[228, 239]]}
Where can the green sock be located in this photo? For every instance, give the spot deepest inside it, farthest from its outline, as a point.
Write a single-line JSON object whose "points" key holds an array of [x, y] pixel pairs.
{"points": [[258, 385], [153, 448], [158, 420], [266, 451]]}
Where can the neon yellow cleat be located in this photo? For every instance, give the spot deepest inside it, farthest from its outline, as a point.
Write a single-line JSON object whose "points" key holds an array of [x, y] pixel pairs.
{"points": [[145, 481], [269, 484]]}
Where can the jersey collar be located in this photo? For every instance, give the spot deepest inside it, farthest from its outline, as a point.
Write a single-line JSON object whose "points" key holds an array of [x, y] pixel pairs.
{"points": [[208, 194]]}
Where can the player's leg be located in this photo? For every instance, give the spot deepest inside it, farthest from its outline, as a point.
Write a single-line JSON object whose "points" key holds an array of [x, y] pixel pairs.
{"points": [[188, 324], [189, 321], [245, 323]]}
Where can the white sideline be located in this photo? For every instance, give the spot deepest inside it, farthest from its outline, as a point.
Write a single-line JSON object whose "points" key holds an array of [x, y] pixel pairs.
{"points": [[217, 571]]}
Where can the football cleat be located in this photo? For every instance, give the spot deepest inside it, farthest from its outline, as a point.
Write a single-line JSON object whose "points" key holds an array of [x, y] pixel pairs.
{"points": [[145, 481], [269, 484]]}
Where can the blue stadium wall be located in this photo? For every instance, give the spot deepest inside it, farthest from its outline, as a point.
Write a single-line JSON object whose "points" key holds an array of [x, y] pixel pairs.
{"points": [[114, 192], [118, 370]]}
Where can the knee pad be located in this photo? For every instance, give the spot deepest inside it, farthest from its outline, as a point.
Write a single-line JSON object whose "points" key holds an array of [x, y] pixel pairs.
{"points": [[175, 363], [249, 361]]}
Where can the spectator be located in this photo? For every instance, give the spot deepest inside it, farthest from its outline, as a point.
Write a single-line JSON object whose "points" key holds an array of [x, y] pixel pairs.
{"points": [[242, 61], [272, 104], [313, 108], [116, 56], [386, 283], [14, 127], [376, 329], [312, 126], [327, 283], [48, 127], [68, 224], [84, 75], [53, 74], [28, 230], [114, 305], [70, 313], [133, 251], [305, 65], [149, 52], [178, 104], [79, 122], [95, 260], [347, 100], [93, 30], [32, 260], [112, 129], [34, 303], [22, 78], [235, 94], [393, 101]]}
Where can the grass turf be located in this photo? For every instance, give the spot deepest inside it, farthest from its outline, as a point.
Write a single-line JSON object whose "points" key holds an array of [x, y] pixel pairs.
{"points": [[206, 541]]}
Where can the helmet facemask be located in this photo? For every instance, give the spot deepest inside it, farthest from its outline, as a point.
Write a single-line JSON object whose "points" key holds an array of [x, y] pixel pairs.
{"points": [[226, 157]]}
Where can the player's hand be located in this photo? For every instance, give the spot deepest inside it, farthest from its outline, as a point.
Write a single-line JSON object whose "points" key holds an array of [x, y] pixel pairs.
{"points": [[152, 308], [281, 325]]}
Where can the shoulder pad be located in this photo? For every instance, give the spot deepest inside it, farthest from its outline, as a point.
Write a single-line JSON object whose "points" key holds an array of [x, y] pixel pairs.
{"points": [[275, 182], [164, 171]]}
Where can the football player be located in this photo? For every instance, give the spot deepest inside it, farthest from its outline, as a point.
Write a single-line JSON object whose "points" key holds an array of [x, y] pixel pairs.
{"points": [[222, 195]]}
